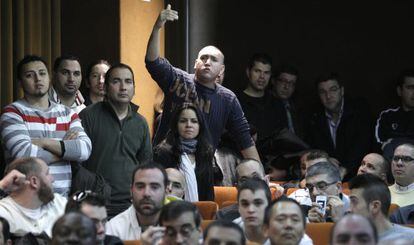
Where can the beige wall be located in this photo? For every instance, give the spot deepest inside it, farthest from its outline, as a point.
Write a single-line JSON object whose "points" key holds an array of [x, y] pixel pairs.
{"points": [[136, 20]]}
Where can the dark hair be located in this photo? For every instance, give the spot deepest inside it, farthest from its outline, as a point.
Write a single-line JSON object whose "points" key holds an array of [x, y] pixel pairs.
{"points": [[6, 229], [151, 165], [94, 63], [27, 166], [27, 59], [175, 209], [373, 188], [225, 224], [246, 160], [118, 66], [370, 222], [62, 58], [255, 184], [269, 209], [78, 219], [286, 68], [259, 57], [80, 197], [324, 168], [404, 74], [313, 154], [328, 76], [204, 153]]}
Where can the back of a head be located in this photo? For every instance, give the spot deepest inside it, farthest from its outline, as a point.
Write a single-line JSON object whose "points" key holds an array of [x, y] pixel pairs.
{"points": [[175, 209], [75, 202], [254, 184], [315, 154], [250, 163], [374, 188], [324, 168]]}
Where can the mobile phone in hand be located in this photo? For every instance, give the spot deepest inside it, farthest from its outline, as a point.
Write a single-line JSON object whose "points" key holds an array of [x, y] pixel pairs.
{"points": [[321, 201]]}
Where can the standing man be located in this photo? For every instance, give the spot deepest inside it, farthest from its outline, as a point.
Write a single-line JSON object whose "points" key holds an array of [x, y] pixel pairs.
{"points": [[255, 100], [396, 125], [67, 78], [341, 127], [283, 86], [36, 126], [114, 120], [219, 105], [148, 190]]}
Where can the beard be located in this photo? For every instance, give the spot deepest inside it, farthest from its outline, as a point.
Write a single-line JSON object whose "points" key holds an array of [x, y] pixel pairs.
{"points": [[45, 193], [147, 211]]}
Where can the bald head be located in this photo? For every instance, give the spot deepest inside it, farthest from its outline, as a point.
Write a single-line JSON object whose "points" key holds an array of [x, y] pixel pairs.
{"points": [[176, 183], [375, 164], [249, 168]]}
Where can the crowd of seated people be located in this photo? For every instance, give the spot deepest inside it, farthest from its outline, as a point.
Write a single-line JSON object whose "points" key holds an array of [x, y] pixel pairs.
{"points": [[83, 169]]}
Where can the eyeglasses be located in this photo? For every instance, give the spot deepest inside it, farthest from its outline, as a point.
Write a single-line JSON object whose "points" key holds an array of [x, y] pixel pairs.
{"points": [[322, 185], [185, 231], [404, 159]]}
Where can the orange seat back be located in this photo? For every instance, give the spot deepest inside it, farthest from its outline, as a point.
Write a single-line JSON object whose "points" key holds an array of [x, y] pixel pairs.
{"points": [[319, 232], [205, 223], [207, 209], [224, 193], [392, 208], [291, 190]]}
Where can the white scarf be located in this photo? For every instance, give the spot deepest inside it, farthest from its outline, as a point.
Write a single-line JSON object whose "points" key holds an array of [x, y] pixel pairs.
{"points": [[187, 168]]}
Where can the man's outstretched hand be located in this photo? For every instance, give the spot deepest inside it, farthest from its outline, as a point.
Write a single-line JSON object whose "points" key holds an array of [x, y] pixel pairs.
{"points": [[166, 15]]}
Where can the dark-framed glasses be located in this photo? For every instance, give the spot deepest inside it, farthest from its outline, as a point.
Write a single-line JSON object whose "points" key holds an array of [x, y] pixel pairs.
{"points": [[404, 159], [321, 185]]}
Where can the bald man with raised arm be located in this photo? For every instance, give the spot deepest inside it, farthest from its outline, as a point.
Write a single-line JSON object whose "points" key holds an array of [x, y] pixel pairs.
{"points": [[219, 105]]}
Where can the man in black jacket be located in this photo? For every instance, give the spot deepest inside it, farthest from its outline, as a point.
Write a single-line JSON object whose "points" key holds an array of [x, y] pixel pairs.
{"points": [[342, 126]]}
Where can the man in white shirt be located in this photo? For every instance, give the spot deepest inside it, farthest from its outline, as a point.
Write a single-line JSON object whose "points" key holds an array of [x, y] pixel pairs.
{"points": [[148, 190], [31, 205]]}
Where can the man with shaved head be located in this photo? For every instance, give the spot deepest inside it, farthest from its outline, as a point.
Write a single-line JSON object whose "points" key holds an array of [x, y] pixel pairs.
{"points": [[219, 105], [375, 164]]}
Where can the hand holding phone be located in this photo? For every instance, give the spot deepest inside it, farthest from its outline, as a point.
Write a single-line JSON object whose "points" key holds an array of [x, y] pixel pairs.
{"points": [[321, 201]]}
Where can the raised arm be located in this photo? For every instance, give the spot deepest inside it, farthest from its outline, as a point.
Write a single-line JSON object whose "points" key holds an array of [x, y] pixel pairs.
{"points": [[153, 47]]}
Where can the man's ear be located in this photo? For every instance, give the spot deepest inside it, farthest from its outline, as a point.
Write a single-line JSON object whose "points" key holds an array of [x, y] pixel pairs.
{"points": [[34, 182], [374, 207], [248, 73]]}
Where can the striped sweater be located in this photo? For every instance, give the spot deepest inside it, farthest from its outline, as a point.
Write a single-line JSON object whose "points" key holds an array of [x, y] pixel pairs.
{"points": [[20, 122]]}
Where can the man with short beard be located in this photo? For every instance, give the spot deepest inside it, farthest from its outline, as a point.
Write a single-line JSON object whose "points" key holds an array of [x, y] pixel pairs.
{"points": [[31, 205], [148, 190]]}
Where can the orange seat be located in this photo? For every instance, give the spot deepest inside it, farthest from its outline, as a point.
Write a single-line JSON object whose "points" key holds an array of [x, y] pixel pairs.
{"points": [[291, 190], [208, 209], [392, 208], [205, 223], [228, 203], [132, 242], [319, 232], [345, 185], [224, 193]]}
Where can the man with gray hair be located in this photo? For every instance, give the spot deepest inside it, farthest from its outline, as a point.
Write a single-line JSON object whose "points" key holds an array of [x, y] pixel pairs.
{"points": [[323, 180]]}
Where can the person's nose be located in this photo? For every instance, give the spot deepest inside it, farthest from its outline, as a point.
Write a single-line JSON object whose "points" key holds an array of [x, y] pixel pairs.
{"points": [[179, 239], [101, 79]]}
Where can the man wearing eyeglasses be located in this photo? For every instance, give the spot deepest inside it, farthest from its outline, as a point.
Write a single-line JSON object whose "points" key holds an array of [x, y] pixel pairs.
{"points": [[341, 126], [93, 206], [324, 179], [402, 166], [181, 221]]}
